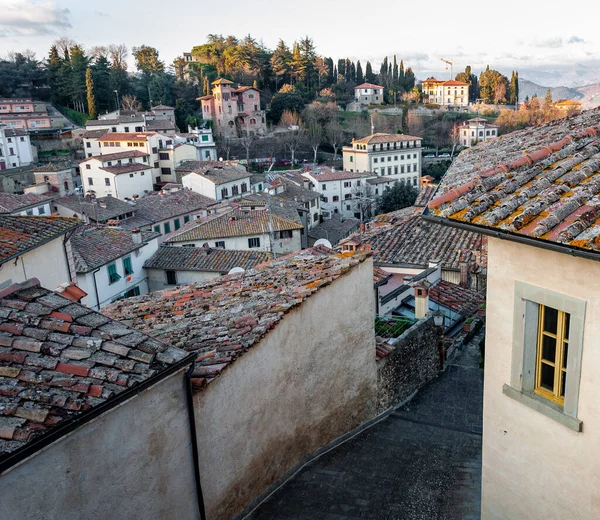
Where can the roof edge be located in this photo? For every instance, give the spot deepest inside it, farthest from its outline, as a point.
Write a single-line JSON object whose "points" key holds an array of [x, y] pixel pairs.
{"points": [[514, 237], [30, 449]]}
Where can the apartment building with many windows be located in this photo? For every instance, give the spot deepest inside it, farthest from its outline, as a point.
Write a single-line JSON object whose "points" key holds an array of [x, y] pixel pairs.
{"points": [[449, 94], [476, 130], [394, 156]]}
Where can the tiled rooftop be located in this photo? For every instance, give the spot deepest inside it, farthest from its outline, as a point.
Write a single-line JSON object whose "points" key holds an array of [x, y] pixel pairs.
{"points": [[21, 234], [368, 85], [96, 246], [126, 168], [98, 210], [232, 224], [334, 229], [425, 195], [218, 174], [121, 119], [415, 241], [385, 138], [116, 156], [53, 167], [224, 317], [205, 259], [59, 359], [94, 134], [323, 174], [541, 182], [457, 297], [10, 203], [157, 207], [160, 124]]}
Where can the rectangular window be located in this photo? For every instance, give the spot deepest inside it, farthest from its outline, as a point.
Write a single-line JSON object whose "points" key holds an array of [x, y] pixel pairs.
{"points": [[154, 149], [324, 187], [375, 159], [171, 277], [347, 184], [90, 181], [223, 193], [253, 242], [163, 156], [351, 159], [165, 171], [285, 234], [204, 138], [41, 210], [221, 244], [335, 198], [186, 219], [88, 167], [88, 144], [177, 224], [113, 276], [106, 181], [552, 348], [157, 228], [167, 227], [235, 191], [127, 267]]}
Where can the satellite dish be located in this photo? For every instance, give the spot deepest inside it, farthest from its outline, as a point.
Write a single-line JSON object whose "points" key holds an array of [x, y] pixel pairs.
{"points": [[237, 270], [323, 242]]}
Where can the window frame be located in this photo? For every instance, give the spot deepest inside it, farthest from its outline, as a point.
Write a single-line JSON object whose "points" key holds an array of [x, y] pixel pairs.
{"points": [[253, 240], [127, 266], [113, 274], [526, 313]]}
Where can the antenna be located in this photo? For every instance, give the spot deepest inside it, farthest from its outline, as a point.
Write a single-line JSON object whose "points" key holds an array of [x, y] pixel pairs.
{"points": [[236, 270], [271, 232], [448, 62], [323, 242]]}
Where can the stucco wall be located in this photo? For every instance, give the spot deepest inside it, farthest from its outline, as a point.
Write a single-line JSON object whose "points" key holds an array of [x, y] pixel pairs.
{"points": [[133, 462], [48, 263], [311, 379], [157, 278], [534, 467]]}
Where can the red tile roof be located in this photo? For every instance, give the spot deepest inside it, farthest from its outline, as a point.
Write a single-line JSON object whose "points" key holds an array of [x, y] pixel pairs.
{"points": [[457, 297], [324, 174], [386, 138], [115, 156], [126, 168], [224, 317], [222, 81], [368, 85], [60, 359], [541, 182], [19, 235], [10, 202]]}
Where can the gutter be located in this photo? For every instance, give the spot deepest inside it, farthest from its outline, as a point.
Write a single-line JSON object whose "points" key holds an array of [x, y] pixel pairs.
{"points": [[96, 287], [514, 237], [192, 420], [67, 427]]}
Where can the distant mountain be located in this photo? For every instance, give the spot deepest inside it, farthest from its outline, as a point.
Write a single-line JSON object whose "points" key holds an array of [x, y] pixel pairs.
{"points": [[588, 95], [530, 89]]}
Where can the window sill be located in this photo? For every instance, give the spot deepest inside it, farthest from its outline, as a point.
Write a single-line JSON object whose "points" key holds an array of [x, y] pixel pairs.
{"points": [[541, 405]]}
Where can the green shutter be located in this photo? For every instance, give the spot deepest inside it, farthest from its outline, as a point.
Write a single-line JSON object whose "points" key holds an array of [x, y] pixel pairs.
{"points": [[177, 224], [113, 276], [157, 228], [127, 265], [186, 219], [167, 226]]}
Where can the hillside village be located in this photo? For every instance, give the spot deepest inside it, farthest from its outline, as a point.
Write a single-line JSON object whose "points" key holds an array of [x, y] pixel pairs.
{"points": [[305, 293]]}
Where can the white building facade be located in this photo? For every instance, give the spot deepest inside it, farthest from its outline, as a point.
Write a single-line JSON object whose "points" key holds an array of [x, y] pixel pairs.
{"points": [[368, 94], [449, 94], [218, 187], [396, 156], [15, 148], [476, 130]]}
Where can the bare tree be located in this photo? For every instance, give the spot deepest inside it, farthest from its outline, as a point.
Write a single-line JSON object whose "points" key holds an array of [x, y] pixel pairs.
{"points": [[99, 51], [129, 102], [118, 56], [455, 138], [415, 123], [335, 135], [247, 142], [314, 137], [224, 145], [294, 136], [63, 44]]}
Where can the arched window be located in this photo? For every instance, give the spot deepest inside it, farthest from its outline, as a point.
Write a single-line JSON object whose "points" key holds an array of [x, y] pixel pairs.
{"points": [[66, 186], [252, 121]]}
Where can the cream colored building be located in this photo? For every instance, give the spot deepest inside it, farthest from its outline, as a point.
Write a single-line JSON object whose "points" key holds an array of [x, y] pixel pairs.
{"points": [[450, 94], [368, 94], [541, 412], [477, 130], [395, 156]]}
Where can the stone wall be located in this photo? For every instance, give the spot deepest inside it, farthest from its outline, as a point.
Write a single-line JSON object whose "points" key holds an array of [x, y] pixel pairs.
{"points": [[414, 361]]}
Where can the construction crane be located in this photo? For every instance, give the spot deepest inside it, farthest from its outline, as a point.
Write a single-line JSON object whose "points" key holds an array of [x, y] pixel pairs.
{"points": [[448, 63]]}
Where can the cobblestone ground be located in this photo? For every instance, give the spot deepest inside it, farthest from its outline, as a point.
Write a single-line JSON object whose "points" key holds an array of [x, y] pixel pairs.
{"points": [[422, 462]]}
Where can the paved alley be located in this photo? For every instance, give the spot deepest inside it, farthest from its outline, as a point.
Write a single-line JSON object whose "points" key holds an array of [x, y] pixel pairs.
{"points": [[422, 462]]}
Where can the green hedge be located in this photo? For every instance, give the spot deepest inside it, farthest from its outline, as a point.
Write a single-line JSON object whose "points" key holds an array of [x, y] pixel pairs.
{"points": [[78, 118]]}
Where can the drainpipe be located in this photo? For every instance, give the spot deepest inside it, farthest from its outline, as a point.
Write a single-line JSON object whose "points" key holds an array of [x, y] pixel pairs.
{"points": [[192, 421], [96, 288]]}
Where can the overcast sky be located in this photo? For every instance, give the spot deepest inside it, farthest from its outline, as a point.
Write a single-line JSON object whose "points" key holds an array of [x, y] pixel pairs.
{"points": [[544, 43]]}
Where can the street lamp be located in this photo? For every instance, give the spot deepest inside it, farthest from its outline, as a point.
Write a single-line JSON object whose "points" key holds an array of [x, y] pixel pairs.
{"points": [[438, 318]]}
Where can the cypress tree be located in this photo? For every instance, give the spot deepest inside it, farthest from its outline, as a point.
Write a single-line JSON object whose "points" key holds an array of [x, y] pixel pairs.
{"points": [[91, 100], [395, 83], [359, 73], [369, 76]]}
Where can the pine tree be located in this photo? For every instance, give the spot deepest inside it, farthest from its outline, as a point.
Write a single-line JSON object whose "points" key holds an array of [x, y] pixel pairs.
{"points": [[359, 73], [341, 68], [280, 62], [91, 100]]}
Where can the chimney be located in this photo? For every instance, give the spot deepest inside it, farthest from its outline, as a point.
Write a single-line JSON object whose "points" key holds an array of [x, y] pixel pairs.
{"points": [[136, 235], [464, 274], [421, 300]]}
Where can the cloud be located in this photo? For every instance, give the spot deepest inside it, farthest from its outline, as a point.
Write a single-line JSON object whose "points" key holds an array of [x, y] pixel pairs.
{"points": [[103, 15], [26, 18], [575, 39], [550, 43]]}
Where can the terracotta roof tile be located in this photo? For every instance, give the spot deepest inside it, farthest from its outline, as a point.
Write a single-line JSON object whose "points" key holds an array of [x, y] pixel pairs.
{"points": [[20, 234], [115, 156], [219, 173], [98, 210], [126, 136], [156, 207], [205, 259], [10, 202], [224, 317], [48, 378], [126, 168], [368, 85], [386, 138], [541, 182]]}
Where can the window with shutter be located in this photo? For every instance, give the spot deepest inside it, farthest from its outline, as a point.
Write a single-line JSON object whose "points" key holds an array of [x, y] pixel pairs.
{"points": [[113, 276], [127, 267]]}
